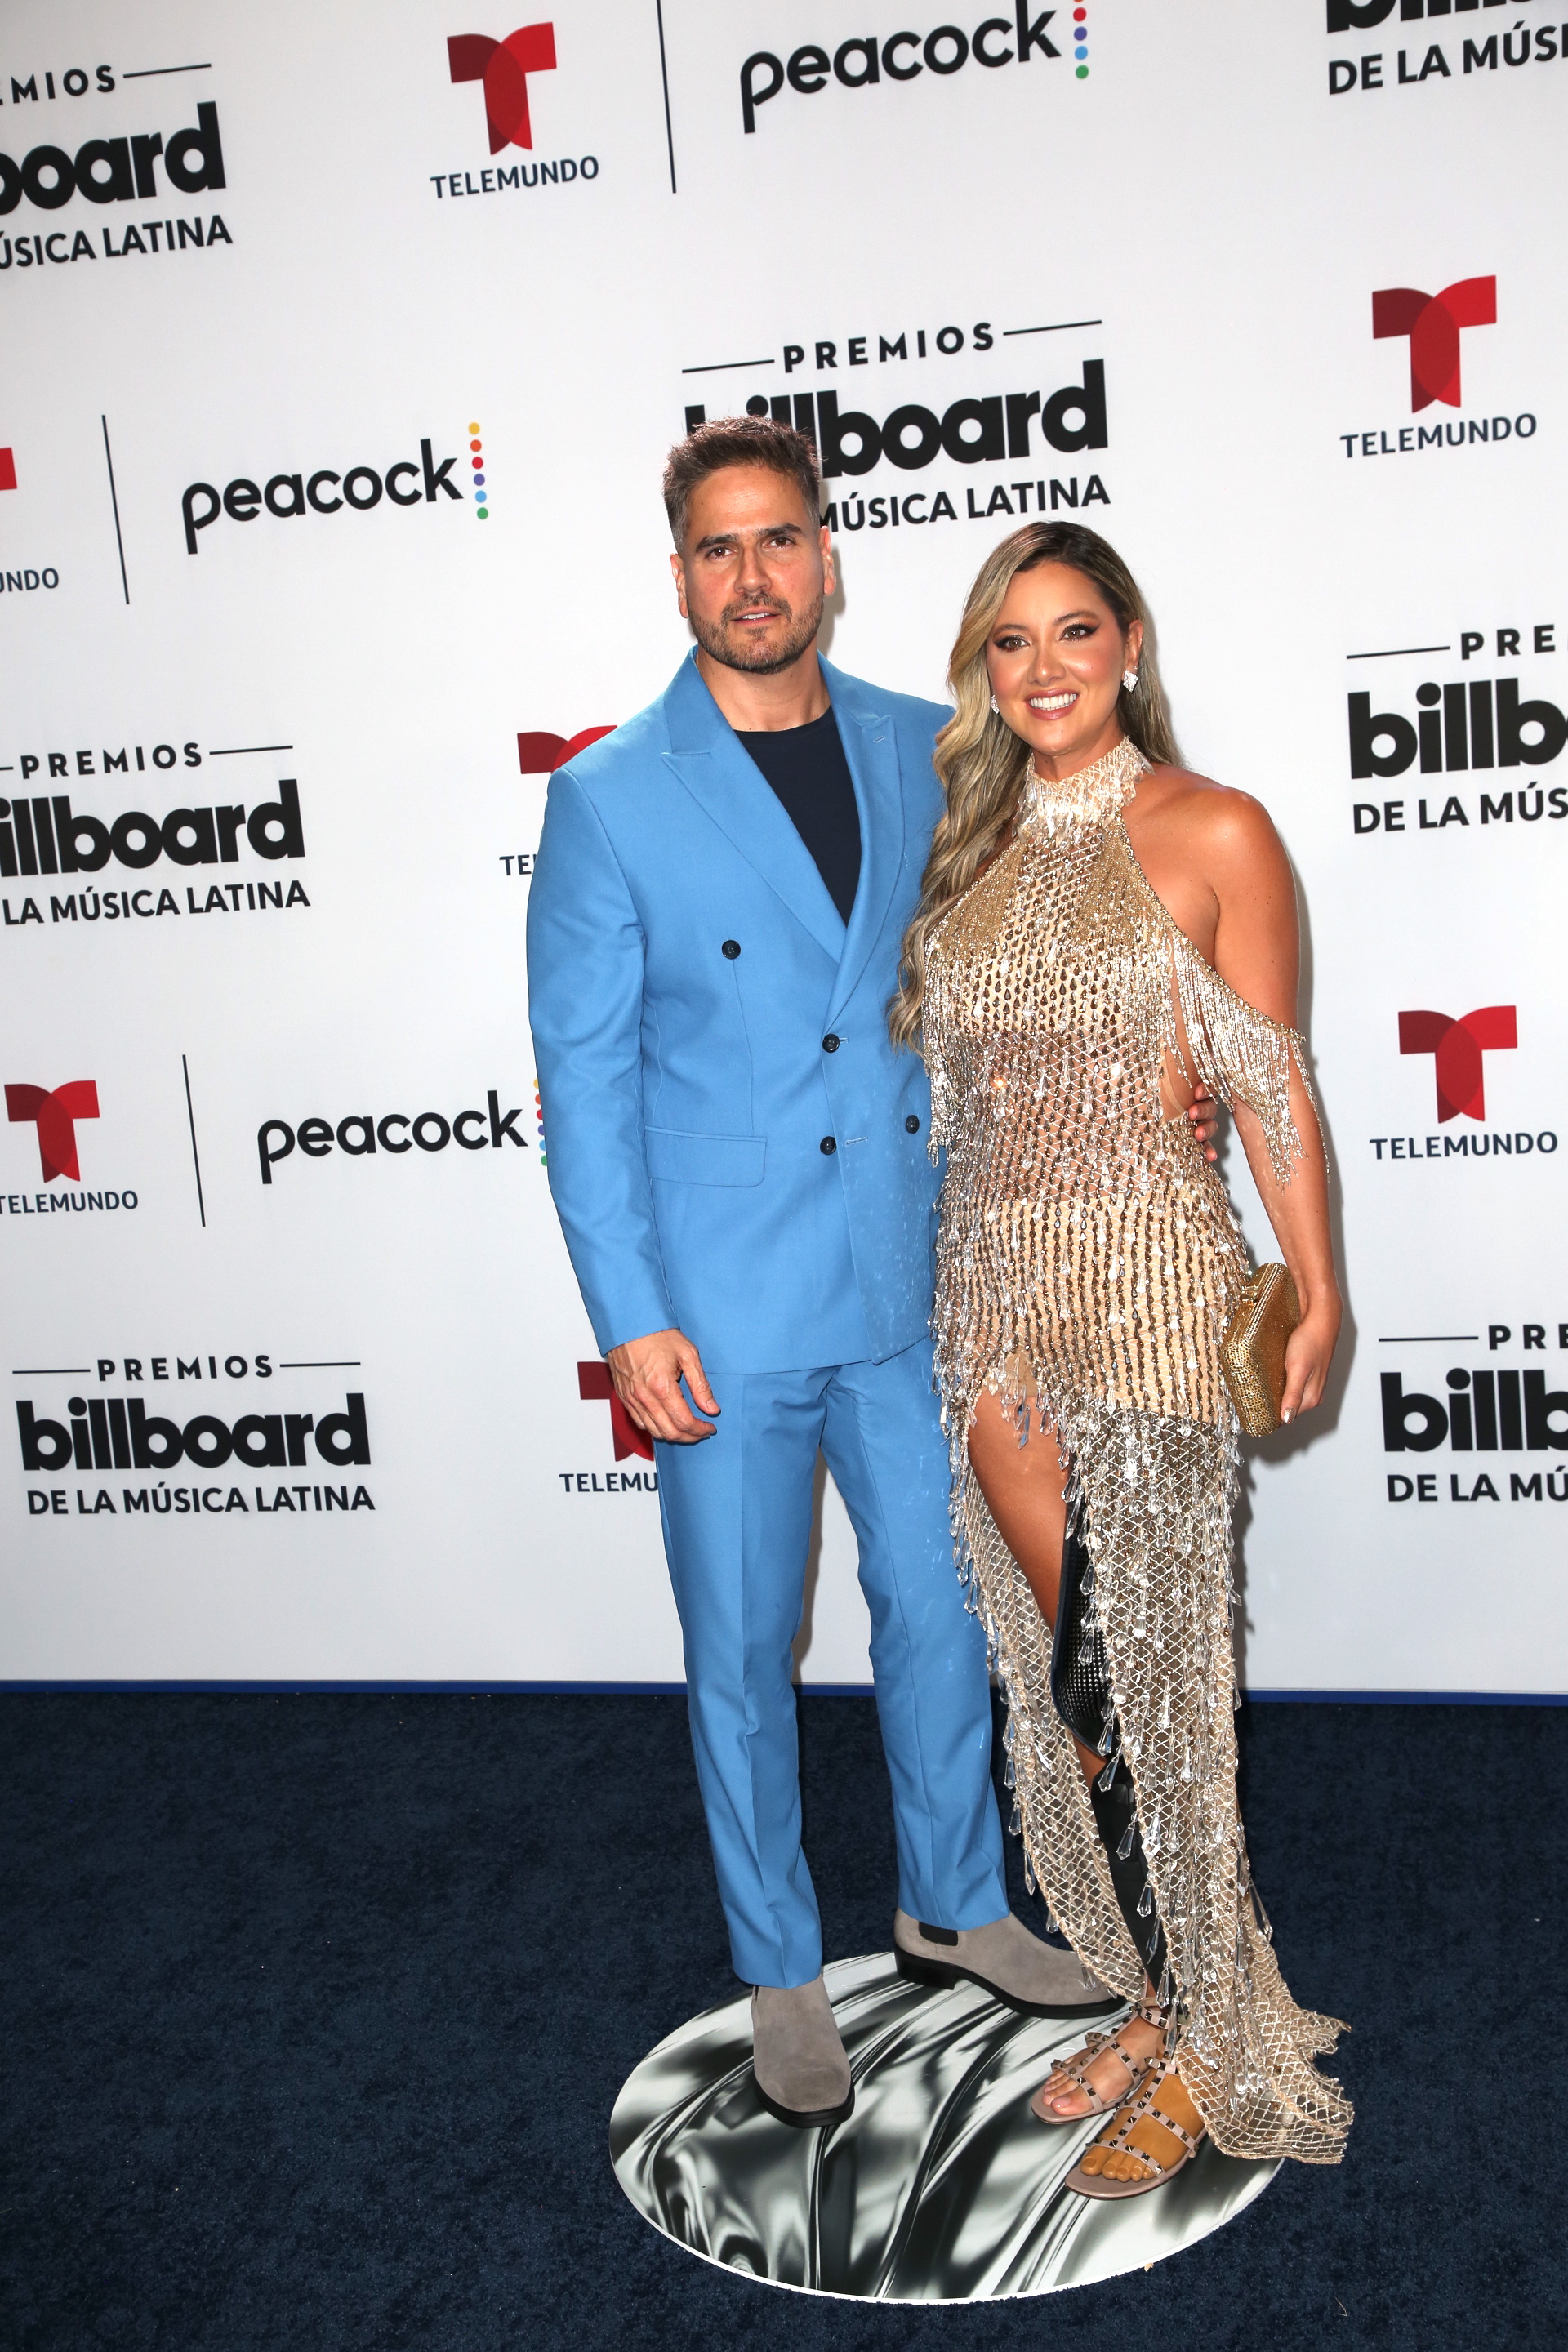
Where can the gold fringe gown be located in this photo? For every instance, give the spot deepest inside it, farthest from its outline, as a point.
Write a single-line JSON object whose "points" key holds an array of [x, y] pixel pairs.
{"points": [[1088, 1264]]}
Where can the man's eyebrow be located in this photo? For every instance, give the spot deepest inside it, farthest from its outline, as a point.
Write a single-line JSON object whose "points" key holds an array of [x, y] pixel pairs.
{"points": [[764, 530]]}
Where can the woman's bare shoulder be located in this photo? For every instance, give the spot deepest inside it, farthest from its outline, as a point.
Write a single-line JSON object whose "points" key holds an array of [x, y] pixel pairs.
{"points": [[1228, 823]]}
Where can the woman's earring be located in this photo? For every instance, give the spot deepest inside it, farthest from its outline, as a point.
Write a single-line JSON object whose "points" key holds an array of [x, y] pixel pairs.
{"points": [[1128, 680], [995, 705]]}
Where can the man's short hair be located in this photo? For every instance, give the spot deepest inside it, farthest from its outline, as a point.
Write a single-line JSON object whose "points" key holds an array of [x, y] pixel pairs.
{"points": [[738, 441]]}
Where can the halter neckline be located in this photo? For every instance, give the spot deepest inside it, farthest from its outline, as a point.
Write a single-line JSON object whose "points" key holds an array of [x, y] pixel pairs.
{"points": [[1089, 796]]}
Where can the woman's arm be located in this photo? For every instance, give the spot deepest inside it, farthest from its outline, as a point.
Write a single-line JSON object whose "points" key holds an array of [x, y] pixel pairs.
{"points": [[1256, 949]]}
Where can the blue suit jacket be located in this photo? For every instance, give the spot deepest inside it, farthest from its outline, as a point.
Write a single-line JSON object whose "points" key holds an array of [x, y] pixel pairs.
{"points": [[687, 1093]]}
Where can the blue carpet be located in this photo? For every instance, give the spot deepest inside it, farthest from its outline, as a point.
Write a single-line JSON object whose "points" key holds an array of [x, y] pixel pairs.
{"points": [[314, 2008]]}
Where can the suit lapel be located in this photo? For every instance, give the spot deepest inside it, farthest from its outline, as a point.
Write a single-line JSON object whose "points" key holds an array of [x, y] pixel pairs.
{"points": [[729, 786], [871, 750]]}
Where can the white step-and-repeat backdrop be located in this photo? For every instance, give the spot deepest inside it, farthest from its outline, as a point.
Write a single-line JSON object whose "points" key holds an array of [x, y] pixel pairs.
{"points": [[301, 1385]]}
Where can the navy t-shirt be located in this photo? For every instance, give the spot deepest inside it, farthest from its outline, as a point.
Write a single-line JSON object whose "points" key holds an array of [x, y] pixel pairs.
{"points": [[808, 770]]}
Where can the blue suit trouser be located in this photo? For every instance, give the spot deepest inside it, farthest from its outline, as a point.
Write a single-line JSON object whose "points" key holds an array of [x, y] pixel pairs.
{"points": [[737, 1511]]}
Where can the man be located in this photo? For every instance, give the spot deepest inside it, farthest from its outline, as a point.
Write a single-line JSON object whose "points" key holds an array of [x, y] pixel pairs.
{"points": [[739, 1159]]}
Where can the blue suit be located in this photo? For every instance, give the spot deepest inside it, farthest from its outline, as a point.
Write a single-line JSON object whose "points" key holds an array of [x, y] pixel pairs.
{"points": [[736, 1150]]}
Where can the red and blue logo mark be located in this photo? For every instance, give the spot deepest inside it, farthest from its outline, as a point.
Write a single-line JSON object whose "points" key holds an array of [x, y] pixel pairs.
{"points": [[1081, 42], [504, 67], [477, 459]]}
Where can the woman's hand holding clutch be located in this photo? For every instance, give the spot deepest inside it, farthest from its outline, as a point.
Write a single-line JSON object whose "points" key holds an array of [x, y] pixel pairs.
{"points": [[1309, 1351]]}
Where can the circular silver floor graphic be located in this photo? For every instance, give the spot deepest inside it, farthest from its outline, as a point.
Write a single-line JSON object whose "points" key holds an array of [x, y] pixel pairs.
{"points": [[940, 2188]]}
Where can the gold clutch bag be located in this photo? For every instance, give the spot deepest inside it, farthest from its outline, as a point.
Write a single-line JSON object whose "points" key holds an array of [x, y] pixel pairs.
{"points": [[1252, 1352]]}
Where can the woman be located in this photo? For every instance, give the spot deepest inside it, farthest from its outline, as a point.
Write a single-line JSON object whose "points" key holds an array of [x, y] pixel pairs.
{"points": [[1101, 936]]}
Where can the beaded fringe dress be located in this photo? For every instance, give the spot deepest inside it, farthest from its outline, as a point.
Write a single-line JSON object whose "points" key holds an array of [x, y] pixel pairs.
{"points": [[1087, 1264]]}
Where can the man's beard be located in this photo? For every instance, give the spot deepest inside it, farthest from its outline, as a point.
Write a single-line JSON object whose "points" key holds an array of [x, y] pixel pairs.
{"points": [[735, 653]]}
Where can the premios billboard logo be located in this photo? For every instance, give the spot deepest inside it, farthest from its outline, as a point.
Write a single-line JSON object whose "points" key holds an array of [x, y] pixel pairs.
{"points": [[153, 170], [1021, 430], [119, 1434], [1454, 728], [502, 66], [46, 837], [1464, 53], [1490, 1408]]}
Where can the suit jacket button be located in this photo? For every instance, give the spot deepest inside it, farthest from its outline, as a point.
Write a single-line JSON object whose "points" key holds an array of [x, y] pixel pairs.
{"points": [[732, 947], [830, 1044], [912, 1124], [828, 1146]]}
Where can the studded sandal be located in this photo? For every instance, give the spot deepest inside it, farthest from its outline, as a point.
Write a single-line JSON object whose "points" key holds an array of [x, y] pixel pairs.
{"points": [[1076, 2068], [1145, 2103]]}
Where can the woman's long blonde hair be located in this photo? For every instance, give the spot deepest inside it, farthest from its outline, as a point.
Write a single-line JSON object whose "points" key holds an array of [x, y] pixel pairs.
{"points": [[979, 759]]}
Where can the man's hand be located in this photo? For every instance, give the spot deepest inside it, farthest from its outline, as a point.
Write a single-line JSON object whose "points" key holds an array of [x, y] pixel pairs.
{"points": [[648, 1374]]}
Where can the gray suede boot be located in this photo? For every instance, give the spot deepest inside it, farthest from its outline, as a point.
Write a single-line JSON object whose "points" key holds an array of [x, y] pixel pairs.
{"points": [[1005, 1960], [797, 2056]]}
